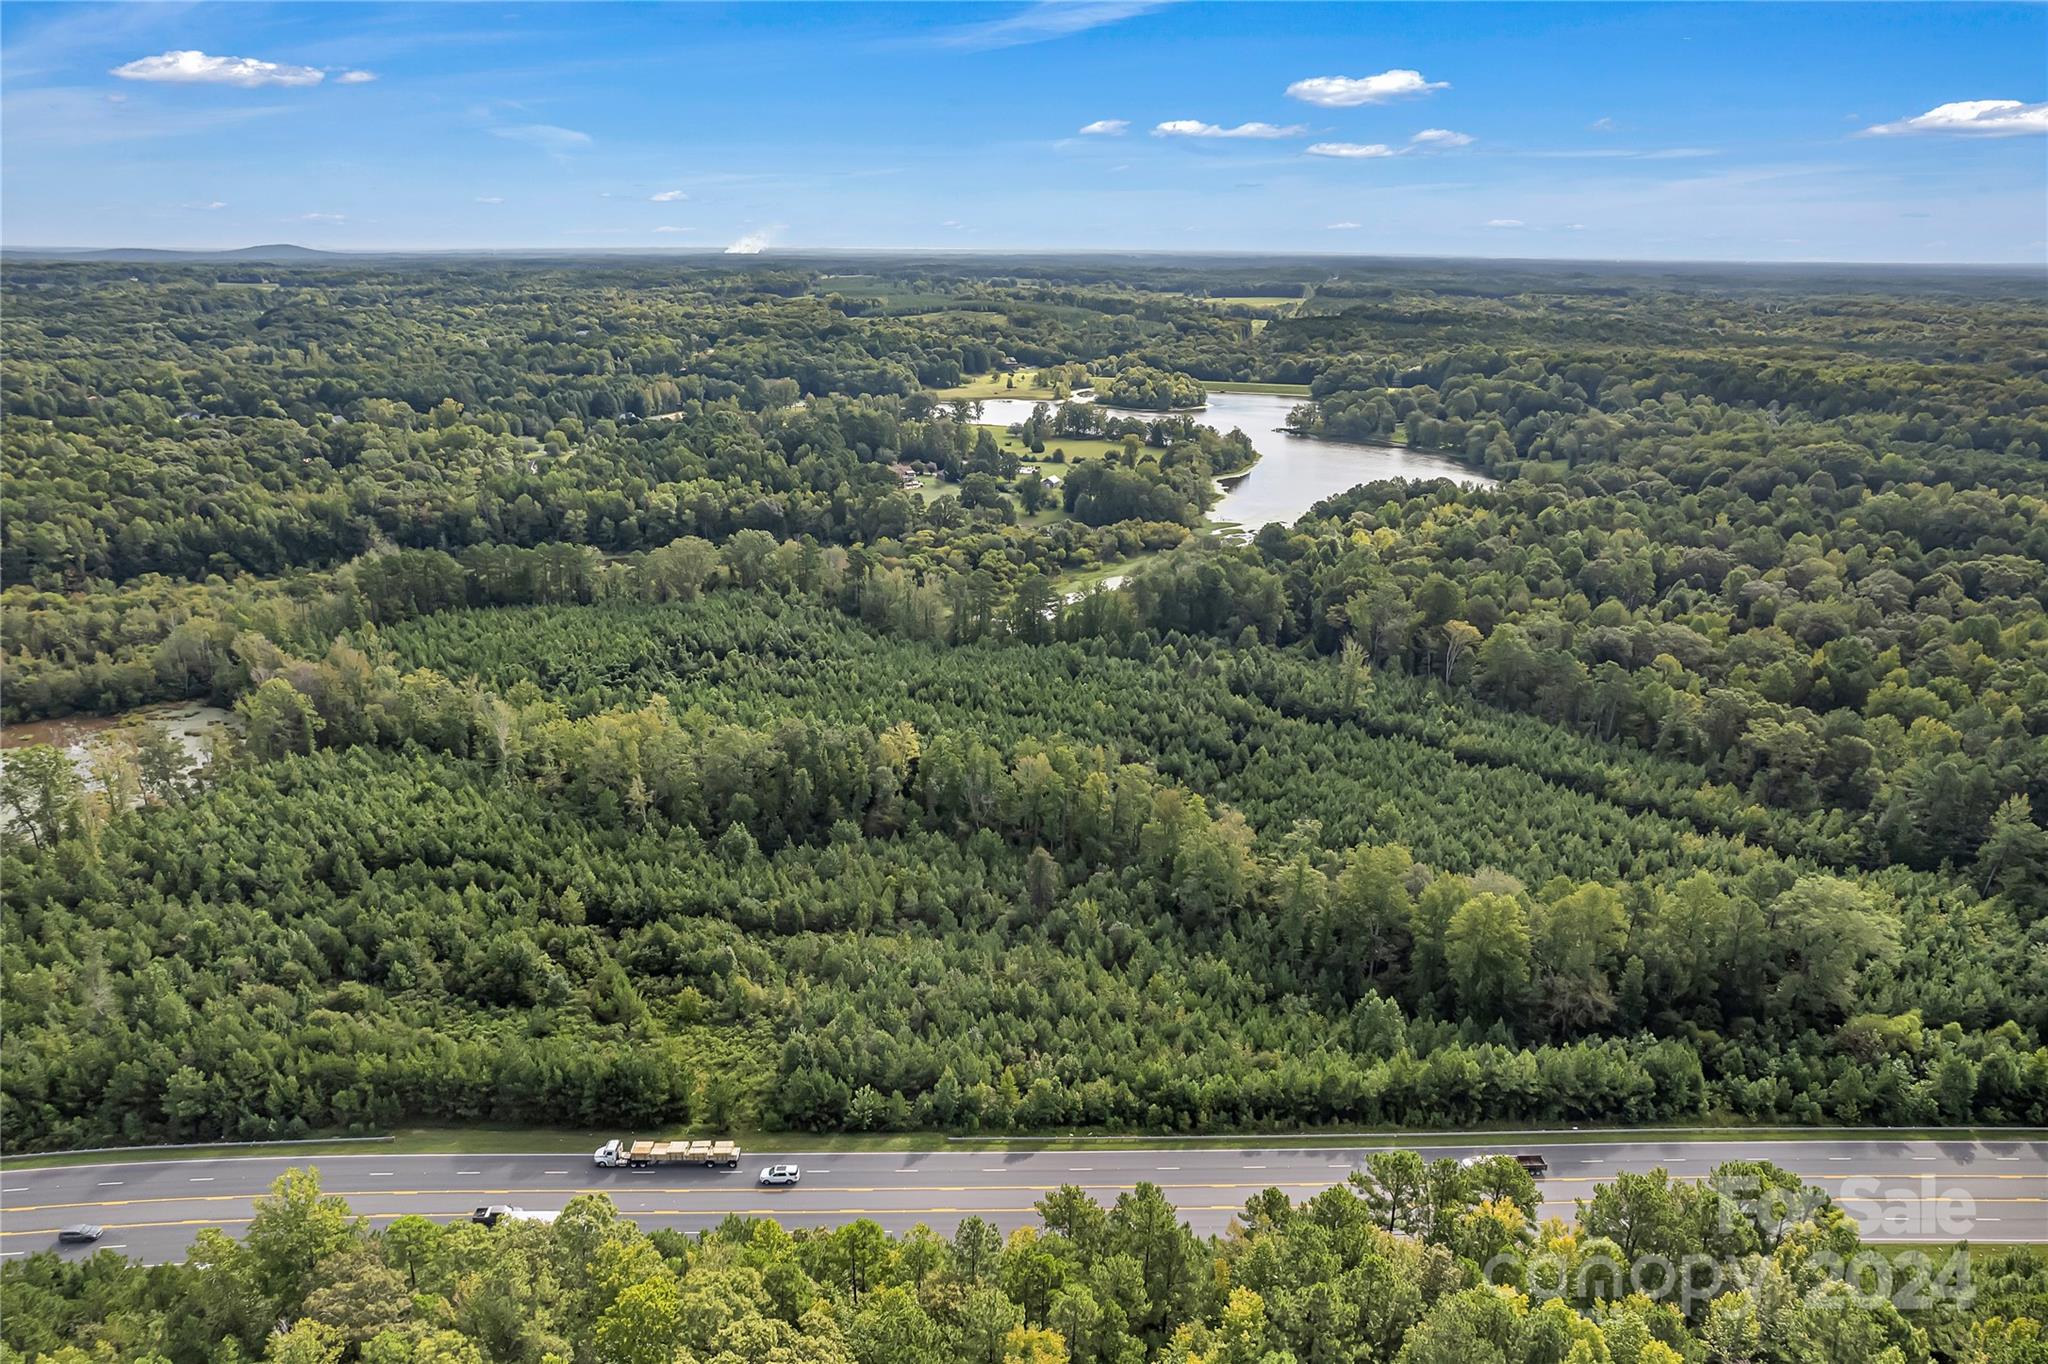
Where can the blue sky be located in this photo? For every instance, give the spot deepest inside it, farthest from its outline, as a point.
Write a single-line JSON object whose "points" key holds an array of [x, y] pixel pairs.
{"points": [[1749, 132]]}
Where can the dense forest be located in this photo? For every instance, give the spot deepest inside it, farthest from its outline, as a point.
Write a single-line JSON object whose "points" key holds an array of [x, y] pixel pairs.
{"points": [[671, 657], [1406, 1263]]}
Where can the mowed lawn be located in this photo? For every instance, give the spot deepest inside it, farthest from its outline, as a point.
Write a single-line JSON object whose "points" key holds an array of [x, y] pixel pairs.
{"points": [[1078, 448], [1016, 385]]}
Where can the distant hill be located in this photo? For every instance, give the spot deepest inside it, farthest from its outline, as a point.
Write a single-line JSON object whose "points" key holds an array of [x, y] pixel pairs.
{"points": [[276, 251]]}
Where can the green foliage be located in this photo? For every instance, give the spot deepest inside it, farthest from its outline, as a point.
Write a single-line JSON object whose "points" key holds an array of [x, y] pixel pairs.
{"points": [[1324, 1280]]}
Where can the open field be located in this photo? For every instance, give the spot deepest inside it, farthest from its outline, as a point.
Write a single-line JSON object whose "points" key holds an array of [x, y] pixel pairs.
{"points": [[1078, 448], [1274, 302], [1017, 385], [1279, 390]]}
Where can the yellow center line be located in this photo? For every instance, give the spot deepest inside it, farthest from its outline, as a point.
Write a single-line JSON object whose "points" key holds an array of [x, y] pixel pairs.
{"points": [[617, 1190], [784, 1210]]}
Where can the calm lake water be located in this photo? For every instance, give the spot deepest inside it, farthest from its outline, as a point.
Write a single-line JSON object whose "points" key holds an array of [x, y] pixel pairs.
{"points": [[192, 725], [1294, 472]]}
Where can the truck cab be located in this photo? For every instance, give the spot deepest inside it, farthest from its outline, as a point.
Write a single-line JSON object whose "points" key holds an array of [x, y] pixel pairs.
{"points": [[609, 1156]]}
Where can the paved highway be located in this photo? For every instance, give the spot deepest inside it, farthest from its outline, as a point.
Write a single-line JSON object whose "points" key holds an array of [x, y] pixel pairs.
{"points": [[1898, 1190]]}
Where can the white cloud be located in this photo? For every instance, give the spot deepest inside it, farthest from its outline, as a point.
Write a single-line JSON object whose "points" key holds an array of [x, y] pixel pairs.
{"points": [[355, 78], [667, 196], [322, 218], [1981, 117], [1346, 92], [546, 136], [752, 244], [1188, 127], [1047, 19], [671, 227], [1603, 125], [192, 67], [490, 198], [1338, 227], [1504, 222], [1441, 137], [207, 205], [1353, 151], [1107, 127]]}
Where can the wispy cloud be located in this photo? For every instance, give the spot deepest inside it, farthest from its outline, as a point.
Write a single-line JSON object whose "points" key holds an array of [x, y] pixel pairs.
{"points": [[1351, 151], [667, 196], [546, 136], [1339, 227], [206, 206], [671, 227], [1429, 139], [72, 116], [192, 67], [1973, 117], [321, 218], [1042, 22], [490, 198], [1106, 127], [1505, 222], [1603, 125], [1347, 92], [355, 78], [1188, 127]]}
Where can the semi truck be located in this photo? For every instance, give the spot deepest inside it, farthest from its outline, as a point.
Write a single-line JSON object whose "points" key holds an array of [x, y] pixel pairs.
{"points": [[638, 1155]]}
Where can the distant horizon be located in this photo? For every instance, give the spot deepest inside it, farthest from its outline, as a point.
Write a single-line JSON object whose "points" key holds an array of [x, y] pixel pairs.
{"points": [[797, 252], [1905, 133]]}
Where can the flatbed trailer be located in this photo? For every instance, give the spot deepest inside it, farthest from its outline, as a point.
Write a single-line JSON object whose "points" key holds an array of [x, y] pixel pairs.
{"points": [[646, 1154]]}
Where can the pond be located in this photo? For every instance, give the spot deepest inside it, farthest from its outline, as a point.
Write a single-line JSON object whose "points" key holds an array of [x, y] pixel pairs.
{"points": [[192, 725], [1294, 472]]}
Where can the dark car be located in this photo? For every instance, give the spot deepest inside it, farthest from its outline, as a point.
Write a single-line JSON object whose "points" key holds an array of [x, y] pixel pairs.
{"points": [[82, 1234]]}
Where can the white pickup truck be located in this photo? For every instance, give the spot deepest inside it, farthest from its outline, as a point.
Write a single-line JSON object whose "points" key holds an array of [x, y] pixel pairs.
{"points": [[505, 1212]]}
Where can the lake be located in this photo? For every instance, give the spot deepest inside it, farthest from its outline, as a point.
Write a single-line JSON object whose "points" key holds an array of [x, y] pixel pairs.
{"points": [[1294, 472]]}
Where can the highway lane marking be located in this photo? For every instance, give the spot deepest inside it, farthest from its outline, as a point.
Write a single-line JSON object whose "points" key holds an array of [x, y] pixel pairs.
{"points": [[382, 1174], [202, 1179], [111, 1183], [716, 1189], [904, 1211], [554, 1172], [782, 1211], [19, 1188], [469, 1172]]}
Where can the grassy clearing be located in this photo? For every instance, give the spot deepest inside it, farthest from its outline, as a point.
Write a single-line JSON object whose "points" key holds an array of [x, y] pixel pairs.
{"points": [[1078, 449], [1016, 385], [1279, 390], [1271, 302]]}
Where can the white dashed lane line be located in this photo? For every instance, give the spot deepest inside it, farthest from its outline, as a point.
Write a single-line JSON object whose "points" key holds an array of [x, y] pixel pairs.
{"points": [[110, 1184]]}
